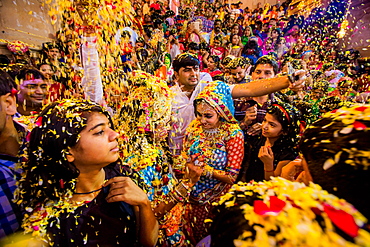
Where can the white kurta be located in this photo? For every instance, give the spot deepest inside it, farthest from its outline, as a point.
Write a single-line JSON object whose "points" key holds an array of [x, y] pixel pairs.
{"points": [[183, 112]]}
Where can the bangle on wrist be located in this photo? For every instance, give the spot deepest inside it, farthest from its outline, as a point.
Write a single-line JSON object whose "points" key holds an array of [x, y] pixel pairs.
{"points": [[180, 192]]}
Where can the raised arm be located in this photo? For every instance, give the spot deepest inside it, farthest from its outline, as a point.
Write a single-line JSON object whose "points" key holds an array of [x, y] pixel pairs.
{"points": [[267, 86], [91, 81]]}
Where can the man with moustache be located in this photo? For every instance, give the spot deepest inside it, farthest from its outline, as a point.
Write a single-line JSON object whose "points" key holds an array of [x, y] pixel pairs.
{"points": [[33, 90]]}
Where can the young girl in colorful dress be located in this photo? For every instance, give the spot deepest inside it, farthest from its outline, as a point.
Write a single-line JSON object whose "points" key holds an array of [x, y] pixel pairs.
{"points": [[217, 48], [276, 146], [215, 141]]}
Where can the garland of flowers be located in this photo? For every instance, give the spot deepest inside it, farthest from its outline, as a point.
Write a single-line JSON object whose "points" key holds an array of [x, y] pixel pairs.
{"points": [[285, 212], [18, 47], [146, 107]]}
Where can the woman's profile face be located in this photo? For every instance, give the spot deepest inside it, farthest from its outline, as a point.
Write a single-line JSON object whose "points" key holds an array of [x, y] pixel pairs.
{"points": [[207, 116], [97, 146], [271, 127]]}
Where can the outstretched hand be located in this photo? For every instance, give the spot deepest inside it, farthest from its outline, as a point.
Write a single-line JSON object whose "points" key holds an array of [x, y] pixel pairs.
{"points": [[298, 84], [250, 115], [255, 129]]}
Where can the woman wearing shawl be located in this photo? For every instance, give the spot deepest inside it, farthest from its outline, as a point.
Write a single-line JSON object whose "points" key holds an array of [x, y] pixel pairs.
{"points": [[215, 142]]}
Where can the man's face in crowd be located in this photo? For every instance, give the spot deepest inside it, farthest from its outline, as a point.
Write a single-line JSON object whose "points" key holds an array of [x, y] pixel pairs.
{"points": [[216, 43], [7, 108], [209, 13], [188, 76], [54, 53], [238, 74], [139, 45], [263, 71], [2, 113], [217, 26], [317, 93], [272, 23], [33, 92]]}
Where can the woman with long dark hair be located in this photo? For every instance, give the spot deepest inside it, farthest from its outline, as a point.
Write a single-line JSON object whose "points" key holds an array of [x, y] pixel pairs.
{"points": [[276, 146], [73, 190]]}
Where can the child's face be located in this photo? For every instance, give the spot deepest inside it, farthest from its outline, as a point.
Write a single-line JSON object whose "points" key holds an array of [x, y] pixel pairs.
{"points": [[217, 43], [271, 127]]}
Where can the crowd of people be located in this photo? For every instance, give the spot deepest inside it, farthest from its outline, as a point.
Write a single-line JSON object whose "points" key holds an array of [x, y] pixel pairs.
{"points": [[186, 124]]}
